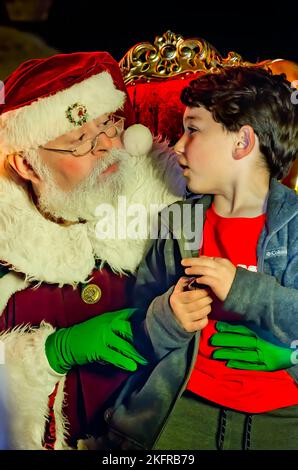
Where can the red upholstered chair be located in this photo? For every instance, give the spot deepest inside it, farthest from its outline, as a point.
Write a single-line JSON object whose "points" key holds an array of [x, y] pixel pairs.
{"points": [[156, 73]]}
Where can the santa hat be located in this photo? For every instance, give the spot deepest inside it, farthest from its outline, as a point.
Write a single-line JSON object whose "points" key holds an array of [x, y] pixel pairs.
{"points": [[45, 98]]}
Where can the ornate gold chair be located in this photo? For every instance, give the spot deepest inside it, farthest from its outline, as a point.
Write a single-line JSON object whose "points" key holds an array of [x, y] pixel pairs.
{"points": [[156, 73]]}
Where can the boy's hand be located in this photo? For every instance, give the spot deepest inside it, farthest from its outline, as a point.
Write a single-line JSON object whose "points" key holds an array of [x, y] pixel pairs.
{"points": [[217, 273], [190, 307]]}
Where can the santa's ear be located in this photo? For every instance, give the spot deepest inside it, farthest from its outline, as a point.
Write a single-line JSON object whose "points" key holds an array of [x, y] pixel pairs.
{"points": [[22, 167], [244, 142]]}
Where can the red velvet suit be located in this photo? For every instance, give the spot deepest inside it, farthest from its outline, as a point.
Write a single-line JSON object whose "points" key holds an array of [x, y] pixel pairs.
{"points": [[88, 387]]}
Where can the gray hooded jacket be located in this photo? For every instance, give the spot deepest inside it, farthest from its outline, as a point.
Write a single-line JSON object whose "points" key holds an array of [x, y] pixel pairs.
{"points": [[267, 298]]}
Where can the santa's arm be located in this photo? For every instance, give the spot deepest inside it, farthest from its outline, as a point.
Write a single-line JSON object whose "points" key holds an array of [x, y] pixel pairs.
{"points": [[38, 357]]}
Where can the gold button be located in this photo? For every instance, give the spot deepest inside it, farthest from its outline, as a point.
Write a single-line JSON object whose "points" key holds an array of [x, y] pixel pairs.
{"points": [[91, 294]]}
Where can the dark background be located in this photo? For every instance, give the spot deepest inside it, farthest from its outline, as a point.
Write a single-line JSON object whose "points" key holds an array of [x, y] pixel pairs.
{"points": [[257, 31]]}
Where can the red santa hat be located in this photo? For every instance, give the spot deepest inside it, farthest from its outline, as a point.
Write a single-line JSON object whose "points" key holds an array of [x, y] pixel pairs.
{"points": [[45, 98]]}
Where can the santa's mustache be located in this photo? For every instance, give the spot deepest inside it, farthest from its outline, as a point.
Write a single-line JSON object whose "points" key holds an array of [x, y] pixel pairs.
{"points": [[112, 157]]}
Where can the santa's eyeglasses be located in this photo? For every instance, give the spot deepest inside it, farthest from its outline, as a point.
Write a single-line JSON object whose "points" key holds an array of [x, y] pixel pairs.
{"points": [[112, 129]]}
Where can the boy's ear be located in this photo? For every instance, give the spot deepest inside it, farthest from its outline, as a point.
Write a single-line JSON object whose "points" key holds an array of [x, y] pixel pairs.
{"points": [[244, 143], [22, 167]]}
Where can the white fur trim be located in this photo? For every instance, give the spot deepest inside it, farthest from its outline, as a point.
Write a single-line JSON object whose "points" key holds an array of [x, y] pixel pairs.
{"points": [[10, 284], [47, 252], [37, 247], [60, 418], [45, 119], [29, 384], [157, 181]]}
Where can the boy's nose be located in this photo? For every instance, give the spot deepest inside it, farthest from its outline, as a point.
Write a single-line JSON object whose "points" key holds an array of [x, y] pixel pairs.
{"points": [[180, 146]]}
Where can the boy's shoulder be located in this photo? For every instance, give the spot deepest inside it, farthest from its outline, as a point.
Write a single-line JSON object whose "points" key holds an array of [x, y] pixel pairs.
{"points": [[283, 195], [282, 207]]}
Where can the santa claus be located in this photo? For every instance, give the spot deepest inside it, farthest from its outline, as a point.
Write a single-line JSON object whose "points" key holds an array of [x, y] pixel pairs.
{"points": [[68, 154]]}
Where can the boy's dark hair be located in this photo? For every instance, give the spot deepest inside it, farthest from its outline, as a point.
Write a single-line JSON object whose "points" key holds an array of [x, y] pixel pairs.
{"points": [[238, 96]]}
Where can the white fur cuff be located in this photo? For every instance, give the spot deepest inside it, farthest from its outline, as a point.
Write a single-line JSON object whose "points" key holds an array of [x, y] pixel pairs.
{"points": [[29, 384]]}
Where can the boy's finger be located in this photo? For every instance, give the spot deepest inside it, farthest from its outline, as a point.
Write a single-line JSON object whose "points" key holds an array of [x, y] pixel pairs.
{"points": [[194, 307], [181, 284], [200, 270], [199, 324], [200, 261], [188, 297]]}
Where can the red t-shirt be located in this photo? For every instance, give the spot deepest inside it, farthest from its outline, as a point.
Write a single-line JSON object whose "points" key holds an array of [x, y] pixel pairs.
{"points": [[248, 391]]}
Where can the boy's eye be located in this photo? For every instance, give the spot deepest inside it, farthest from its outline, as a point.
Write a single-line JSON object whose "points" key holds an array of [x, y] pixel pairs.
{"points": [[191, 130]]}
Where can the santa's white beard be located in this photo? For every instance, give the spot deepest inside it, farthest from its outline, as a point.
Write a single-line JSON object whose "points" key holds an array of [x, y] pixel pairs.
{"points": [[97, 188]]}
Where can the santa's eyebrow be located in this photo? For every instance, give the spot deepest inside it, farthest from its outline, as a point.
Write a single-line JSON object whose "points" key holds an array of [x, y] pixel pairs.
{"points": [[72, 140], [99, 123]]}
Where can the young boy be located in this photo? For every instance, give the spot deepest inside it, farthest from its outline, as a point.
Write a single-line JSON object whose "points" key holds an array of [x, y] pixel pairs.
{"points": [[241, 136]]}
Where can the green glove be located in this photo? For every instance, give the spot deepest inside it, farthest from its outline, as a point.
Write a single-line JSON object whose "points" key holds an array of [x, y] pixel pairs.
{"points": [[244, 349], [107, 338]]}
